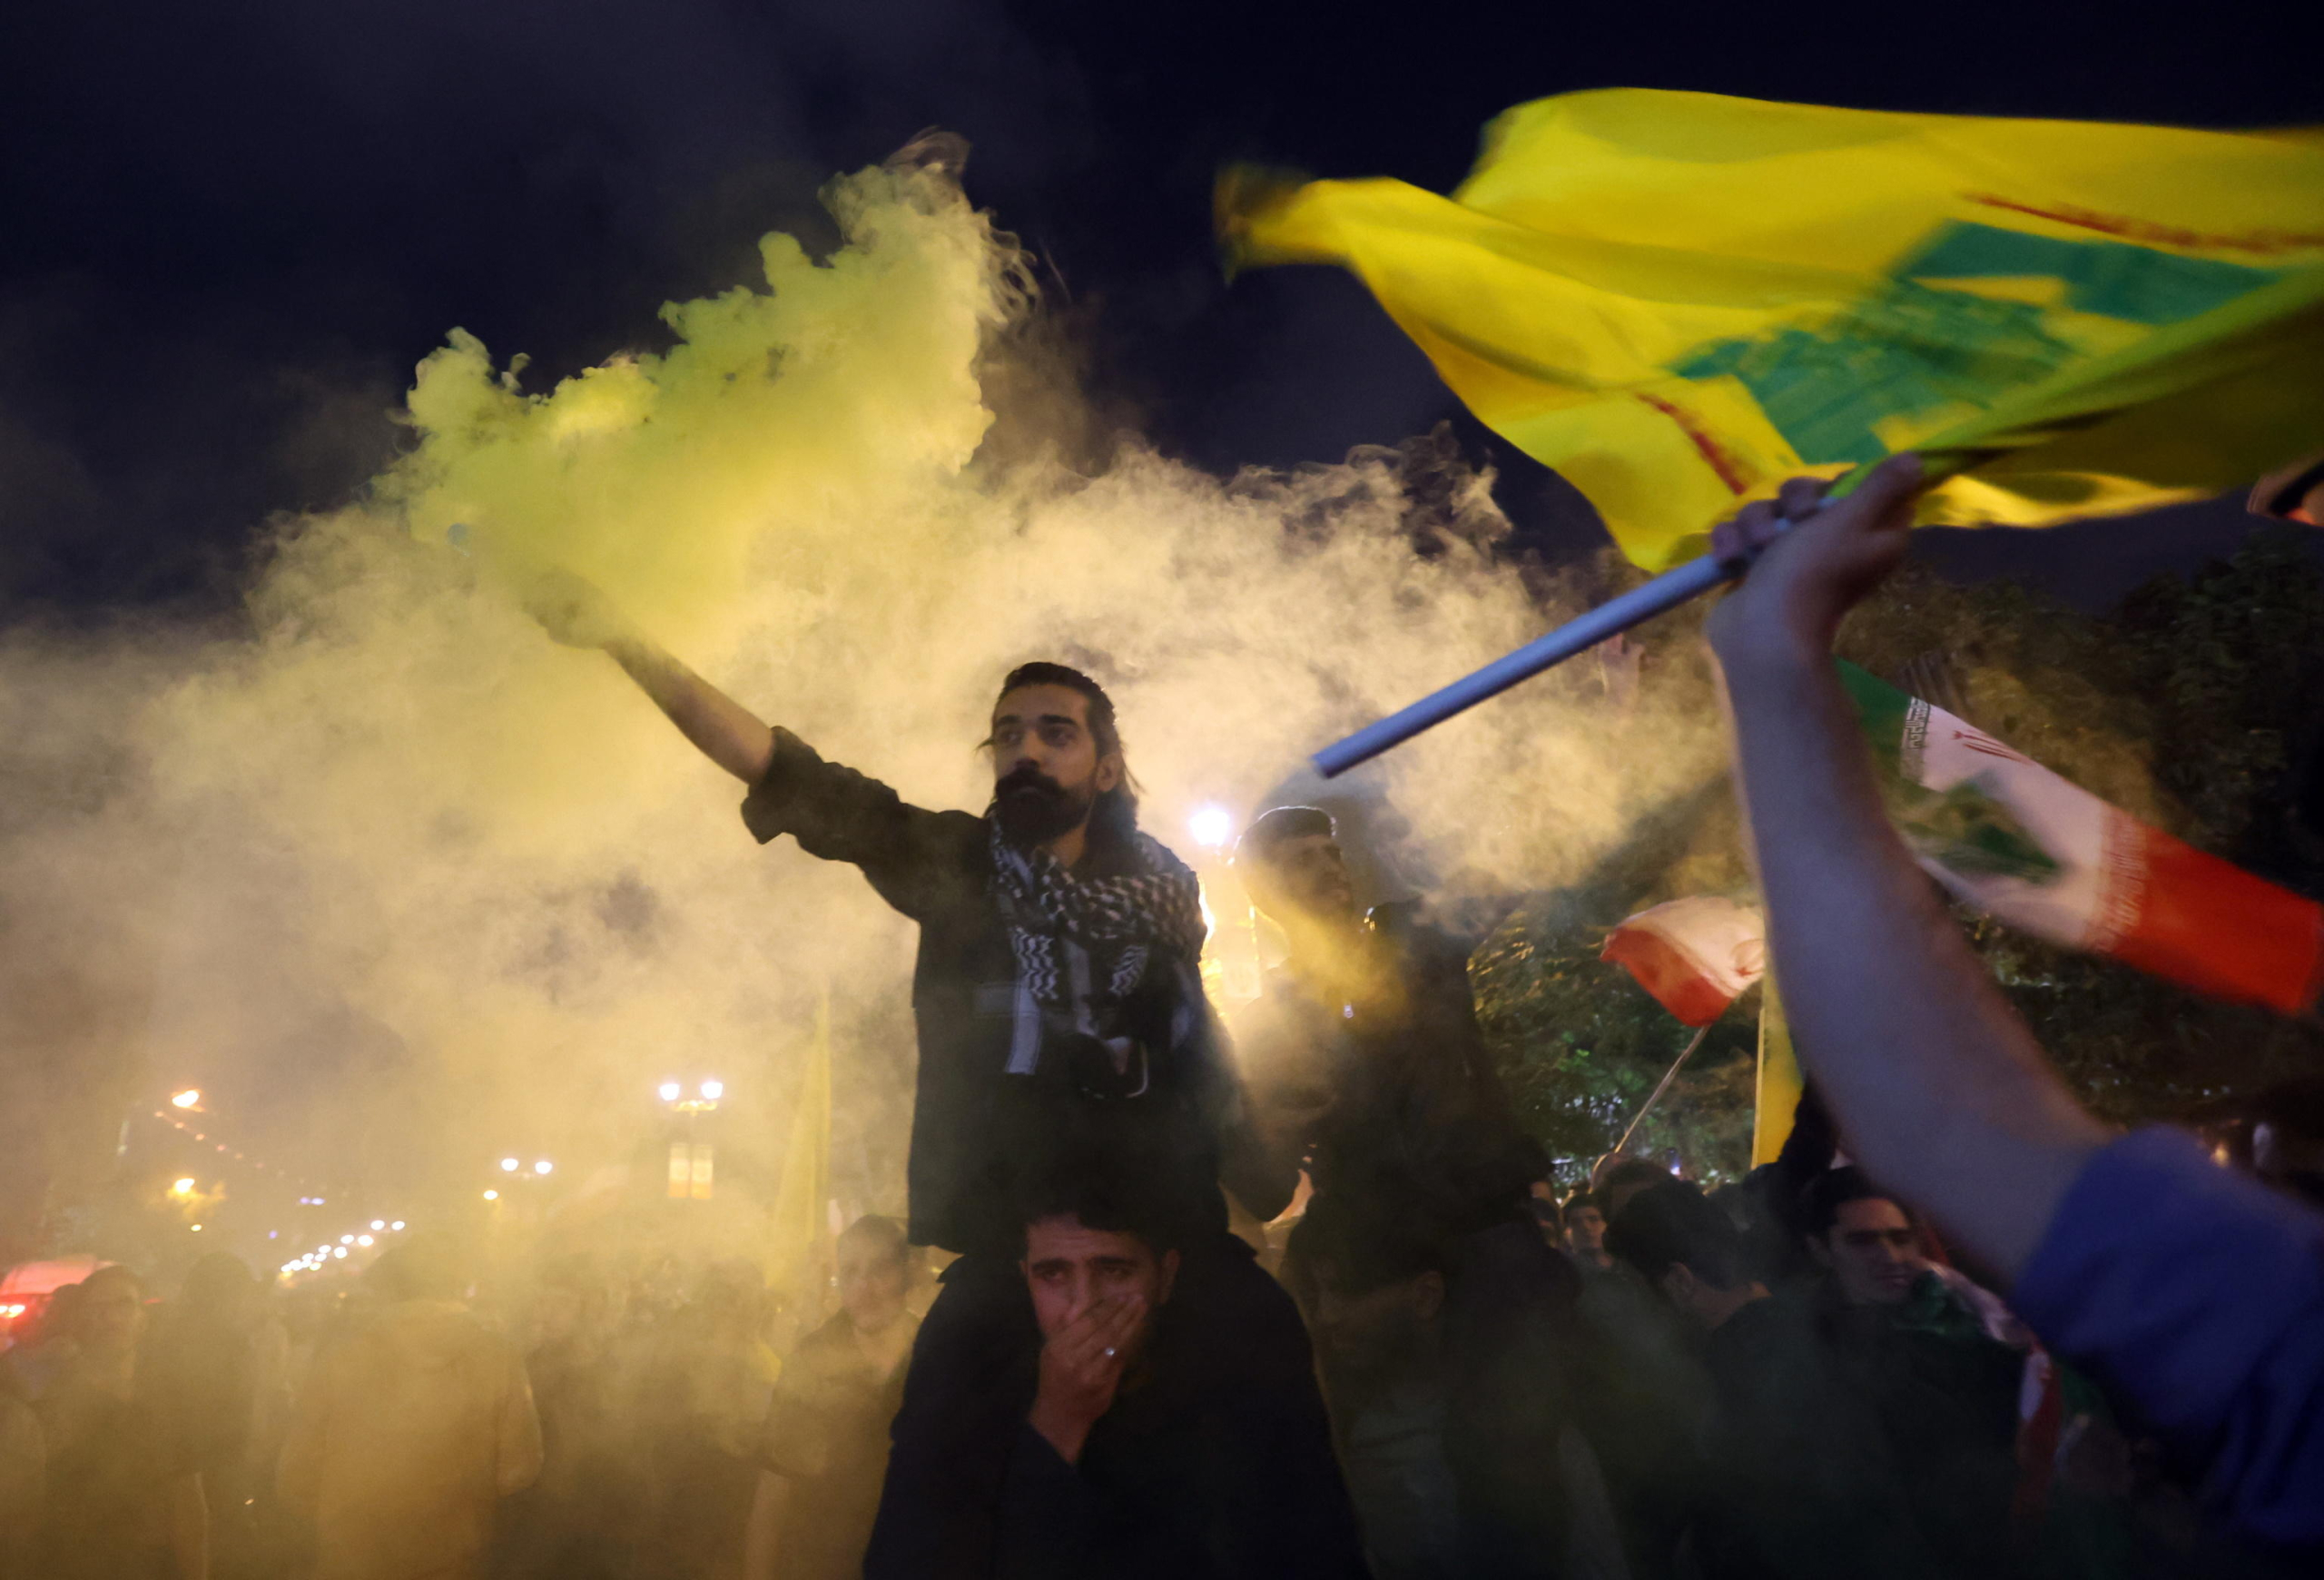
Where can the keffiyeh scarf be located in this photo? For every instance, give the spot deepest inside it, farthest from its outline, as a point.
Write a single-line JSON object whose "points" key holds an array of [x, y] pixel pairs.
{"points": [[1082, 945]]}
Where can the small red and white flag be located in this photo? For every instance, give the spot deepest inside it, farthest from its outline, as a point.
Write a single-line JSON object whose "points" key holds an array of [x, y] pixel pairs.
{"points": [[1695, 955]]}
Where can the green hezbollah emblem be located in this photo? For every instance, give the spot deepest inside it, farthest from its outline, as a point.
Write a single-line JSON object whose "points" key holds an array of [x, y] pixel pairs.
{"points": [[1932, 339], [1679, 300]]}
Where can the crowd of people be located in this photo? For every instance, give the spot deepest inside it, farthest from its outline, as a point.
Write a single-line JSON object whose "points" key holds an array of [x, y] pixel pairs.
{"points": [[1958, 1328], [593, 1419]]}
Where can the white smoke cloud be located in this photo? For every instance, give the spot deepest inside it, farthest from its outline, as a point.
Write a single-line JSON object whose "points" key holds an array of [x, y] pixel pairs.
{"points": [[395, 806]]}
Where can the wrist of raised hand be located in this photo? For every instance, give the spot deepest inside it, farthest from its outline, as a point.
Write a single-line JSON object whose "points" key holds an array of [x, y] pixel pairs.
{"points": [[1757, 650]]}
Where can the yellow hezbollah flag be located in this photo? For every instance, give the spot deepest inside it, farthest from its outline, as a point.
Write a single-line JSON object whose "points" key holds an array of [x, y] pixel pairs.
{"points": [[796, 1224], [1678, 300], [1775, 1091]]}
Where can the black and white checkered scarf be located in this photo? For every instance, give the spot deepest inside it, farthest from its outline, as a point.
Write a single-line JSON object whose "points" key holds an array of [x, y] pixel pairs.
{"points": [[1083, 944]]}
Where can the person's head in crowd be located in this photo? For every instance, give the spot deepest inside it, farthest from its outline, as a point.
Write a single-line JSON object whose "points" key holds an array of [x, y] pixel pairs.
{"points": [[57, 1315], [1585, 1230], [423, 1268], [2287, 1137], [1093, 1238], [1619, 1178], [1377, 1291], [1683, 1244], [731, 1302], [1866, 1238], [569, 1301], [876, 1262], [1056, 759], [109, 1317], [1294, 870], [220, 1289], [1541, 1197]]}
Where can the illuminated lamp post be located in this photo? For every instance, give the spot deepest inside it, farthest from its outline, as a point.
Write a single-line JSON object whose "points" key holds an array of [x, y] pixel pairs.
{"points": [[690, 1159]]}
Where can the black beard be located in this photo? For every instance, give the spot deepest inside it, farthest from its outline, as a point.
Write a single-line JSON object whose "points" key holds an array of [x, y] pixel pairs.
{"points": [[1033, 808]]}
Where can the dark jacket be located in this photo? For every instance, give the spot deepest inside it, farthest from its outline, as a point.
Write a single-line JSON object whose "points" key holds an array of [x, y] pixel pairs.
{"points": [[977, 1130], [1207, 1468], [1412, 1120]]}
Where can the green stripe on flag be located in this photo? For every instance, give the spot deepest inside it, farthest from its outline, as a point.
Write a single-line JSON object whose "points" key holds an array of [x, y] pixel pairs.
{"points": [[1967, 828], [1884, 712]]}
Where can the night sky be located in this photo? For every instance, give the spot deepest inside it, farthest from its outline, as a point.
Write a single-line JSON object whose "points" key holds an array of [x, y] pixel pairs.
{"points": [[228, 231]]}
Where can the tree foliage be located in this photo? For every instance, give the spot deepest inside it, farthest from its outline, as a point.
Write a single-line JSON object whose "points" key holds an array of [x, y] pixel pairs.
{"points": [[2193, 705]]}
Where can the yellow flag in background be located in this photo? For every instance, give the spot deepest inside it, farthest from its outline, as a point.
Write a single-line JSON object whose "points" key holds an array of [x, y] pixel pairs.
{"points": [[797, 1228], [1679, 300], [1776, 1092]]}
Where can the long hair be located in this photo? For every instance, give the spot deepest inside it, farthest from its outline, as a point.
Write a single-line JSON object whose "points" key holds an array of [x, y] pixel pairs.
{"points": [[1113, 817]]}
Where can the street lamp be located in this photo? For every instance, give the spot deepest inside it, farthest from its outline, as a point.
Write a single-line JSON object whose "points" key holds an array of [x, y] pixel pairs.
{"points": [[1212, 826], [181, 1188], [509, 1165], [543, 1167], [690, 1160], [492, 1196], [190, 1097]]}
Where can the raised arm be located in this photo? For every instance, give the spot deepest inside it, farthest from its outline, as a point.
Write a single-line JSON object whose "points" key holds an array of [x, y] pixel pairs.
{"points": [[577, 613], [1936, 1084]]}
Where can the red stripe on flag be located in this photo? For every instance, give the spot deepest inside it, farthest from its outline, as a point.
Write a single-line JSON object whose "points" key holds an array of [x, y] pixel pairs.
{"points": [[2210, 925], [1731, 472], [1665, 970]]}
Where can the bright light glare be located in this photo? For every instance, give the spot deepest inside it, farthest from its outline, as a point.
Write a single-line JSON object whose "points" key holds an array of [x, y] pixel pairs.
{"points": [[669, 1090], [379, 1223], [182, 1187], [712, 1091], [363, 1239], [197, 1229], [492, 1196], [509, 1165], [185, 1099], [346, 1239], [1211, 825], [543, 1167], [338, 1250], [398, 1224]]}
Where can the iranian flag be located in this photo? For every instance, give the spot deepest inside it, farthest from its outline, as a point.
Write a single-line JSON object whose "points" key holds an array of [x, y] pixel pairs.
{"points": [[1695, 955], [2007, 835]]}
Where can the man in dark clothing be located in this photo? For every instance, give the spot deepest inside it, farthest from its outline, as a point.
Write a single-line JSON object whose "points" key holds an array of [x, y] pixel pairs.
{"points": [[1140, 1447], [1945, 1369], [1059, 1004], [214, 1369], [1376, 1309], [1585, 1234], [1368, 1067], [1794, 1478], [1641, 1392]]}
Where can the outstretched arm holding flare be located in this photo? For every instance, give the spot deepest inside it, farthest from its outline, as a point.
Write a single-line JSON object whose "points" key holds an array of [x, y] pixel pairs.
{"points": [[1937, 1084], [577, 613]]}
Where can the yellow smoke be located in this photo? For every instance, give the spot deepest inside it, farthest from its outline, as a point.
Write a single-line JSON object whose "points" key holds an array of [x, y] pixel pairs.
{"points": [[400, 804]]}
